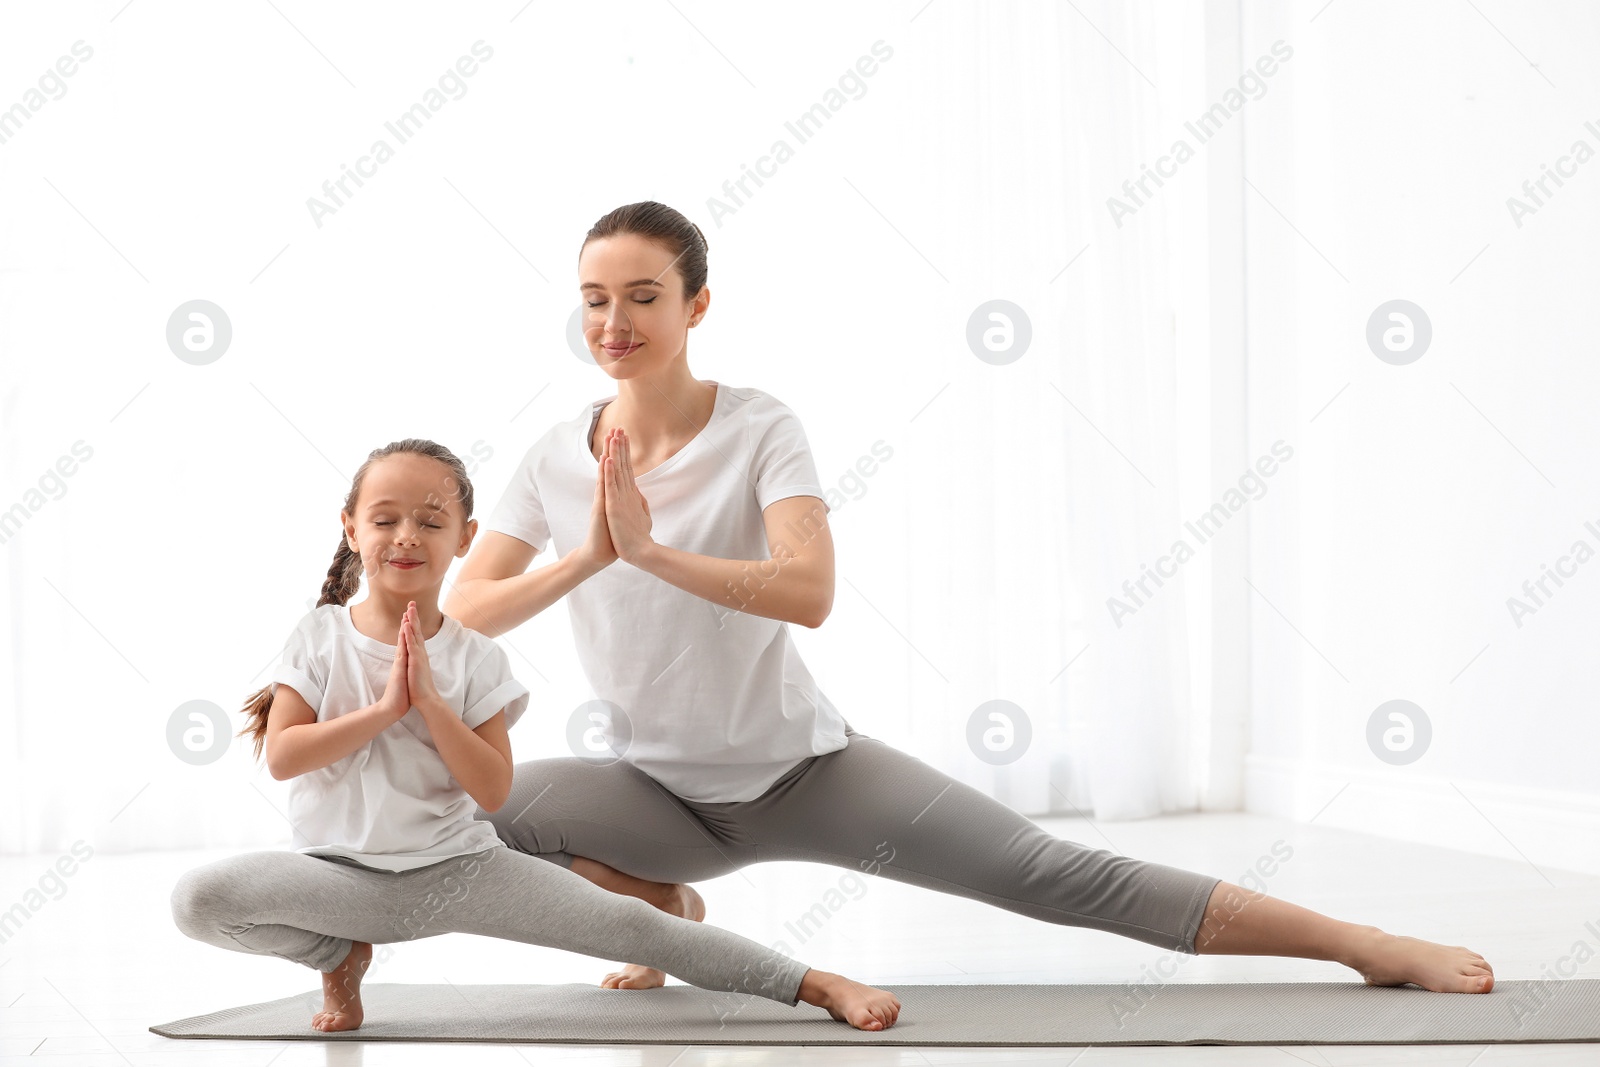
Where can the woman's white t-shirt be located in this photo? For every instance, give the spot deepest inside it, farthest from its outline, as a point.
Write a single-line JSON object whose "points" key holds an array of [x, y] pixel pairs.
{"points": [[392, 803], [716, 700]]}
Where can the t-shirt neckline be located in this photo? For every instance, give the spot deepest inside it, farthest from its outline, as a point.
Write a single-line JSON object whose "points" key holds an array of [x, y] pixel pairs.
{"points": [[694, 442], [372, 644]]}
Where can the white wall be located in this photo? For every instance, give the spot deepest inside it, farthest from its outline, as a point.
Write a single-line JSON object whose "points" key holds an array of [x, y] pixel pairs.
{"points": [[1421, 497]]}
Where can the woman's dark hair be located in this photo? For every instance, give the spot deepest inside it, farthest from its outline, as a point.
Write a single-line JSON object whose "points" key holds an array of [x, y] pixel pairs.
{"points": [[344, 575], [659, 223]]}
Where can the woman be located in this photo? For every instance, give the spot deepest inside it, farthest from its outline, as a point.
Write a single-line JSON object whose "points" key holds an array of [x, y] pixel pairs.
{"points": [[730, 754]]}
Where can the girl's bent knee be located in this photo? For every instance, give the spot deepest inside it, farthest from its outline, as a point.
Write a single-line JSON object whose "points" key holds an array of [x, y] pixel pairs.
{"points": [[198, 902]]}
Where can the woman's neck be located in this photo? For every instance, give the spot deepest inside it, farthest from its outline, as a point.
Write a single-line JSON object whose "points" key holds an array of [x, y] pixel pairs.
{"points": [[655, 410]]}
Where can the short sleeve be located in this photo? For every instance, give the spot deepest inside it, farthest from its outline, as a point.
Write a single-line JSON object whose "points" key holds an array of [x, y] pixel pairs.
{"points": [[303, 665], [491, 687], [520, 511], [782, 463]]}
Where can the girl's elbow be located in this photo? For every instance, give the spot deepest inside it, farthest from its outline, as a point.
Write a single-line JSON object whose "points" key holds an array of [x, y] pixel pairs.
{"points": [[498, 797]]}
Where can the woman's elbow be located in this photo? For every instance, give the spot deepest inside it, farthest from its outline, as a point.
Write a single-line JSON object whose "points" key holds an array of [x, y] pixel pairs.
{"points": [[456, 605], [819, 614]]}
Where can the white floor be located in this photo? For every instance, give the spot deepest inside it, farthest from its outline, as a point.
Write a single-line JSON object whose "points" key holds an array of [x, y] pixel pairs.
{"points": [[89, 972]]}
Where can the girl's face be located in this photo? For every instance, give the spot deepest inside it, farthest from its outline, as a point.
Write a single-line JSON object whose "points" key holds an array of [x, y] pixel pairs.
{"points": [[635, 316], [408, 525]]}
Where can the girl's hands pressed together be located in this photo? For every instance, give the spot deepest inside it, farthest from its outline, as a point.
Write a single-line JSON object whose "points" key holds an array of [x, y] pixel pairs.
{"points": [[419, 673], [396, 699], [627, 512]]}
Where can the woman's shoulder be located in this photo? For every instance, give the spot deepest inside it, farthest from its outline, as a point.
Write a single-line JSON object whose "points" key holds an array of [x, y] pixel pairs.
{"points": [[756, 405], [478, 645]]}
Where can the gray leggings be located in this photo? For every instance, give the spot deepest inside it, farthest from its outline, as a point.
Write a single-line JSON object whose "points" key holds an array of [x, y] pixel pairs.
{"points": [[308, 909], [867, 806]]}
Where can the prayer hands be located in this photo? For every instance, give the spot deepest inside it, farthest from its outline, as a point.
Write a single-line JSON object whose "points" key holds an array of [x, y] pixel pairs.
{"points": [[419, 673], [627, 511]]}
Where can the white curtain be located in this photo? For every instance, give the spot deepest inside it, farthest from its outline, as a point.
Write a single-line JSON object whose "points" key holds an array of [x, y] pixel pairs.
{"points": [[1055, 479], [973, 165]]}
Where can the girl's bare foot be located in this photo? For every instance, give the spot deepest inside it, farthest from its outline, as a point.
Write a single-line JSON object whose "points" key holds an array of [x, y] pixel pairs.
{"points": [[1388, 959], [679, 899], [341, 991], [862, 1006]]}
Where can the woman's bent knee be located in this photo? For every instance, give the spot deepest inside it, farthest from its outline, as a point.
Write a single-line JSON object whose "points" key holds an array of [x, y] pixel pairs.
{"points": [[543, 791]]}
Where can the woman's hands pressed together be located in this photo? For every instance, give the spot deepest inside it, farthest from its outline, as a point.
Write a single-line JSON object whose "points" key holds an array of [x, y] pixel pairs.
{"points": [[598, 546], [619, 521]]}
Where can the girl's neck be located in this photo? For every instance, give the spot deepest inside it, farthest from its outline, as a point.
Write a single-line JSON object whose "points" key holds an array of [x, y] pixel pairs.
{"points": [[378, 616]]}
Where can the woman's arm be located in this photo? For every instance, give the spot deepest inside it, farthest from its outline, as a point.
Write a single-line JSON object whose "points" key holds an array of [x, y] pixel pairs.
{"points": [[496, 592], [795, 585], [479, 759]]}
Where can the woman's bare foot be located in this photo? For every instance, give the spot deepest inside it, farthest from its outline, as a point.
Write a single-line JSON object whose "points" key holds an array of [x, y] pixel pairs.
{"points": [[1389, 959], [862, 1006], [341, 991], [679, 899]]}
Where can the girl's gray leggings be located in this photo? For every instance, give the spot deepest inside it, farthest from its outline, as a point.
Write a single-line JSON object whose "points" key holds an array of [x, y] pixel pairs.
{"points": [[868, 807], [308, 909]]}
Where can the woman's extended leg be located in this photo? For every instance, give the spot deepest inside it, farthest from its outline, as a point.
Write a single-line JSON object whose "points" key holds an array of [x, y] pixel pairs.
{"points": [[286, 904], [1244, 923], [872, 807], [941, 834]]}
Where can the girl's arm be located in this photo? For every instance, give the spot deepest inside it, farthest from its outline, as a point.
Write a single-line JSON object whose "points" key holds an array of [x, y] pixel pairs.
{"points": [[296, 742], [795, 585], [479, 759]]}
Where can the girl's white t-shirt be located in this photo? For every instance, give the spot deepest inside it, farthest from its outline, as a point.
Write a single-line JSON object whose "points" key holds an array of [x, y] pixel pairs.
{"points": [[716, 702], [392, 803]]}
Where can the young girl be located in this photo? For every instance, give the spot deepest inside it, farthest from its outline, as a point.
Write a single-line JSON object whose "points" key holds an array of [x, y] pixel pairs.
{"points": [[390, 719]]}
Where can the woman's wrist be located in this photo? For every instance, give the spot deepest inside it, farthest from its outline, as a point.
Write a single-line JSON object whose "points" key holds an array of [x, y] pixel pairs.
{"points": [[645, 555], [582, 563]]}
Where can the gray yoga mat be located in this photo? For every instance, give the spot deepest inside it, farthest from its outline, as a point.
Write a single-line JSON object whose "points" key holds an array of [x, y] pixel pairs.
{"points": [[1265, 1013]]}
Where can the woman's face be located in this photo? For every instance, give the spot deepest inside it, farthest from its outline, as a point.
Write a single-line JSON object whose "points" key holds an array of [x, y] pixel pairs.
{"points": [[407, 526], [635, 316]]}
